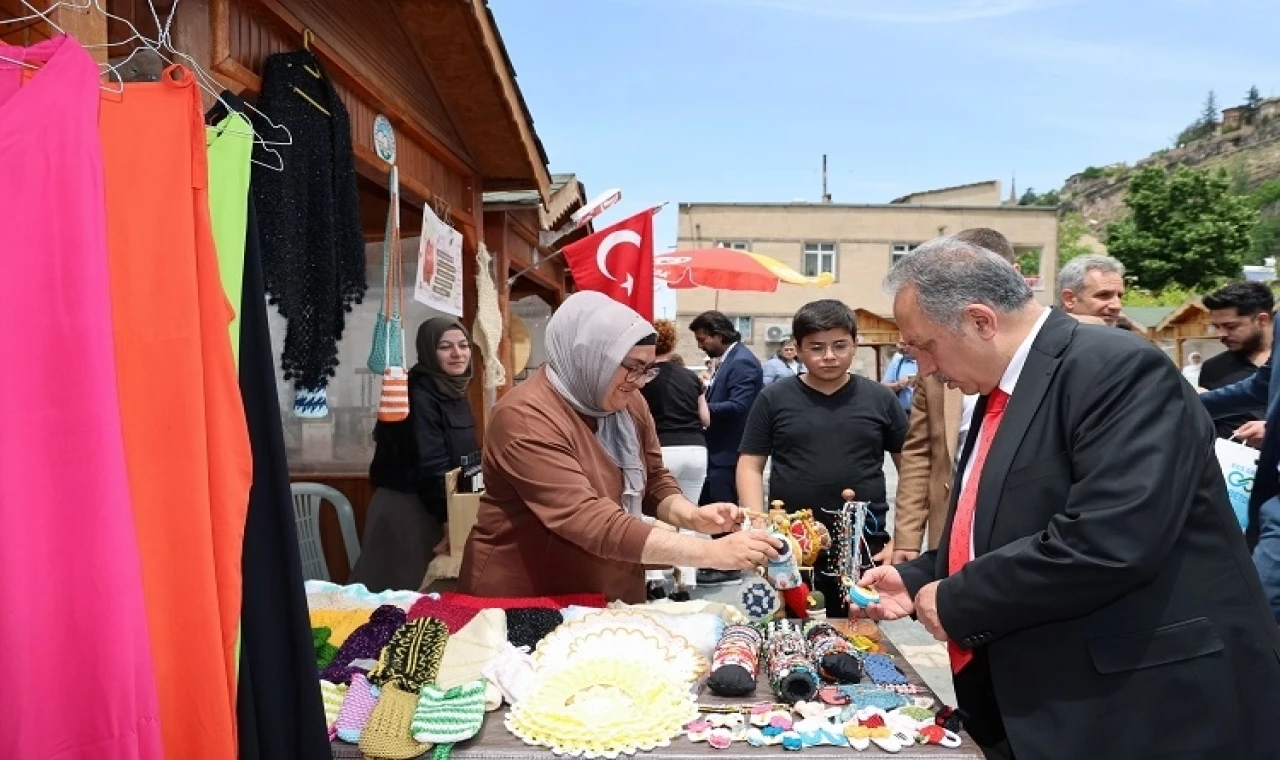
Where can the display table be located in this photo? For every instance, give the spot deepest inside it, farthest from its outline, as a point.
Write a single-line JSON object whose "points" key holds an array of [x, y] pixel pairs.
{"points": [[494, 742]]}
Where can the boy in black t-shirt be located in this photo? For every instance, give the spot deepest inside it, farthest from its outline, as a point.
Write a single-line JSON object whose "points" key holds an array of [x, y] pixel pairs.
{"points": [[827, 430]]}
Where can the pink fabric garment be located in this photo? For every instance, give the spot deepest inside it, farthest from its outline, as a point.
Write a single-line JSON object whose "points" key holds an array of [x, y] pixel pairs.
{"points": [[74, 630]]}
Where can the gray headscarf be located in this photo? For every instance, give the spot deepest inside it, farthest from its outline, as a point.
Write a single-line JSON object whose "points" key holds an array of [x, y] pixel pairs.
{"points": [[587, 339]]}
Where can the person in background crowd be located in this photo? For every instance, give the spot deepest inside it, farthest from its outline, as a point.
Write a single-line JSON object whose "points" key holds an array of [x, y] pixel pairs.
{"points": [[1262, 529], [1124, 323], [782, 364], [1241, 313], [1191, 369], [826, 431], [572, 465], [900, 377], [680, 416], [939, 421], [731, 391], [408, 515], [1092, 285], [1092, 583]]}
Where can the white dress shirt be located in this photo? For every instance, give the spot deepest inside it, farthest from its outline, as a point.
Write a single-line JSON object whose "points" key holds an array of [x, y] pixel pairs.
{"points": [[1008, 382]]}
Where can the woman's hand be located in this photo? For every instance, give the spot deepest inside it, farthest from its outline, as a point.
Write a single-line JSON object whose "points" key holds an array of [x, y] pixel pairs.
{"points": [[741, 551], [714, 519]]}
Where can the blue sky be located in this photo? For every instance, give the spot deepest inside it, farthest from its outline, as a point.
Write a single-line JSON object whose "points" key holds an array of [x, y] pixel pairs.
{"points": [[737, 100]]}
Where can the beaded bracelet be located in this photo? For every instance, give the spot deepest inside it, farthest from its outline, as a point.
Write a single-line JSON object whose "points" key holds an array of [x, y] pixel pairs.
{"points": [[736, 661], [792, 673]]}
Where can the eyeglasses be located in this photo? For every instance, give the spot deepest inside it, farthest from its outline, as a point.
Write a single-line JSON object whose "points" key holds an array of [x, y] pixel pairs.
{"points": [[646, 371], [839, 348]]}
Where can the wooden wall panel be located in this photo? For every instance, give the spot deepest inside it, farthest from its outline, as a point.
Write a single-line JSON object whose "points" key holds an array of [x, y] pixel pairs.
{"points": [[253, 34]]}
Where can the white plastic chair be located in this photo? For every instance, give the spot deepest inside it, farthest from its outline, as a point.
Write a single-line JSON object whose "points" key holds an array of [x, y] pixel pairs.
{"points": [[307, 500]]}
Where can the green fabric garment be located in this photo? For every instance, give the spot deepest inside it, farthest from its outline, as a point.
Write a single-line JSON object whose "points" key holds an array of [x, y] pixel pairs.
{"points": [[325, 652], [230, 149], [230, 146]]}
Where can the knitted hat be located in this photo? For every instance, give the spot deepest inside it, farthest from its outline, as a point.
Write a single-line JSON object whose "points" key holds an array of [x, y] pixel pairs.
{"points": [[356, 707], [333, 694], [341, 623], [325, 652], [387, 733], [444, 717], [454, 616], [478, 644], [412, 656], [556, 602], [526, 626], [365, 643]]}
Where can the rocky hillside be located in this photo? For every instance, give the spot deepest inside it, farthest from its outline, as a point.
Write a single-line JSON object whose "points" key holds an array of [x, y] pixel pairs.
{"points": [[1250, 154]]}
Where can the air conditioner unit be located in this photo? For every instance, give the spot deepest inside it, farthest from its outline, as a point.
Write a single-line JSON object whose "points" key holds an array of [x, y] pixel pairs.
{"points": [[775, 333]]}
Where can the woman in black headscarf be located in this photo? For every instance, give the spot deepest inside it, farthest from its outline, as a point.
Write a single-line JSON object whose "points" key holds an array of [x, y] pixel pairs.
{"points": [[407, 518]]}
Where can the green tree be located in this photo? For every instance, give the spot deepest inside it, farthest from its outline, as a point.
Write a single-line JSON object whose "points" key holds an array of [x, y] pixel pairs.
{"points": [[1071, 231], [1173, 296], [1265, 238], [1209, 111], [1252, 100], [1204, 125], [1185, 229], [1032, 198]]}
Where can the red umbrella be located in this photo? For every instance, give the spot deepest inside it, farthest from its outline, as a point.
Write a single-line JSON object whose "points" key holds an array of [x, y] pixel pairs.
{"points": [[729, 269]]}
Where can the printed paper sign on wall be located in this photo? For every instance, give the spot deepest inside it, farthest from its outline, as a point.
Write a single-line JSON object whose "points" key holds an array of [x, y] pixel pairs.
{"points": [[439, 280]]}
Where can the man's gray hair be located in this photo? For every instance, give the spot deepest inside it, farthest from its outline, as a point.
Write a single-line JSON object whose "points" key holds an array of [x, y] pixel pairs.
{"points": [[949, 274], [1071, 276]]}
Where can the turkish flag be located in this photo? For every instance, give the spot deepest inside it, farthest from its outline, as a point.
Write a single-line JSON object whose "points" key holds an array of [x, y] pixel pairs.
{"points": [[618, 261]]}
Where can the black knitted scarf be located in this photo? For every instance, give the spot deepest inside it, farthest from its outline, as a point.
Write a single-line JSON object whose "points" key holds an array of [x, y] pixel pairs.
{"points": [[309, 217]]}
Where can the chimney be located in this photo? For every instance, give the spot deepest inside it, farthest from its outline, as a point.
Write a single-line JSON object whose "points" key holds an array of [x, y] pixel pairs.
{"points": [[826, 197]]}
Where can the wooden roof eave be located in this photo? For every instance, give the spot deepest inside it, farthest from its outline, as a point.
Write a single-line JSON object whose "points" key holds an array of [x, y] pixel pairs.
{"points": [[1175, 316], [459, 43], [518, 110]]}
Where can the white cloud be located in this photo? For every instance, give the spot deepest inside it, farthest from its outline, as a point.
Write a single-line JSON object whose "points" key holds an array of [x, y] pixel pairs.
{"points": [[916, 12]]}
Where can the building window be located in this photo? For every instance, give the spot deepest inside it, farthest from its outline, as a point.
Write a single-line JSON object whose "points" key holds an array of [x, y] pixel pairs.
{"points": [[743, 326], [819, 258], [900, 250], [737, 245]]}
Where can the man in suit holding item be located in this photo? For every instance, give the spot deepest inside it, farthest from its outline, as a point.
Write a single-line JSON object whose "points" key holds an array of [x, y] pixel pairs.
{"points": [[938, 422], [730, 393], [1092, 582]]}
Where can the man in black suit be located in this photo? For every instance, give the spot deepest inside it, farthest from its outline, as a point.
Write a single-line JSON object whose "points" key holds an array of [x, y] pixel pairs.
{"points": [[731, 392], [1092, 582]]}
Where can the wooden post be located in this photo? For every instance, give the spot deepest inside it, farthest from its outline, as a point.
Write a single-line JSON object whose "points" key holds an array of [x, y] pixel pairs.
{"points": [[498, 249], [88, 25]]}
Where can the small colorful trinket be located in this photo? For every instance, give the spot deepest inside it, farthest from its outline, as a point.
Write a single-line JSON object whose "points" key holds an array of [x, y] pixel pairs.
{"points": [[720, 738], [862, 595]]}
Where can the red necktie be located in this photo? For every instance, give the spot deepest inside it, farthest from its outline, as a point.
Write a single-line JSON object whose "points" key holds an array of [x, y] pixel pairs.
{"points": [[962, 524]]}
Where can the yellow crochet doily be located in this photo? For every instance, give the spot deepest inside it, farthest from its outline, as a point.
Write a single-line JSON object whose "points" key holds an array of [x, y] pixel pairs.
{"points": [[602, 706], [610, 631]]}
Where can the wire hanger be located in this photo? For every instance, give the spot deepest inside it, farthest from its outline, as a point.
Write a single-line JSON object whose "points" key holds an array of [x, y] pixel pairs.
{"points": [[166, 42], [36, 13], [307, 36]]}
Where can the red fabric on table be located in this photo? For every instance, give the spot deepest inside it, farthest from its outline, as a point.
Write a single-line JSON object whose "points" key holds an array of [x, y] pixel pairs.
{"points": [[454, 616], [505, 603]]}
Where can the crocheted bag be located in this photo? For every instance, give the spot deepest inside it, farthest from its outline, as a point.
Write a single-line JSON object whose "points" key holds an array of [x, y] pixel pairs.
{"points": [[388, 330], [393, 398]]}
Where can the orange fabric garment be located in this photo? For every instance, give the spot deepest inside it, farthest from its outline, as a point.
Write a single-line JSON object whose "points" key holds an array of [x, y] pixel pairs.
{"points": [[186, 444]]}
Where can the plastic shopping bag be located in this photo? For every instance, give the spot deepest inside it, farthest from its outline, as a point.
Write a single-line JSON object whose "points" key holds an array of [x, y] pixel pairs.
{"points": [[1239, 465]]}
